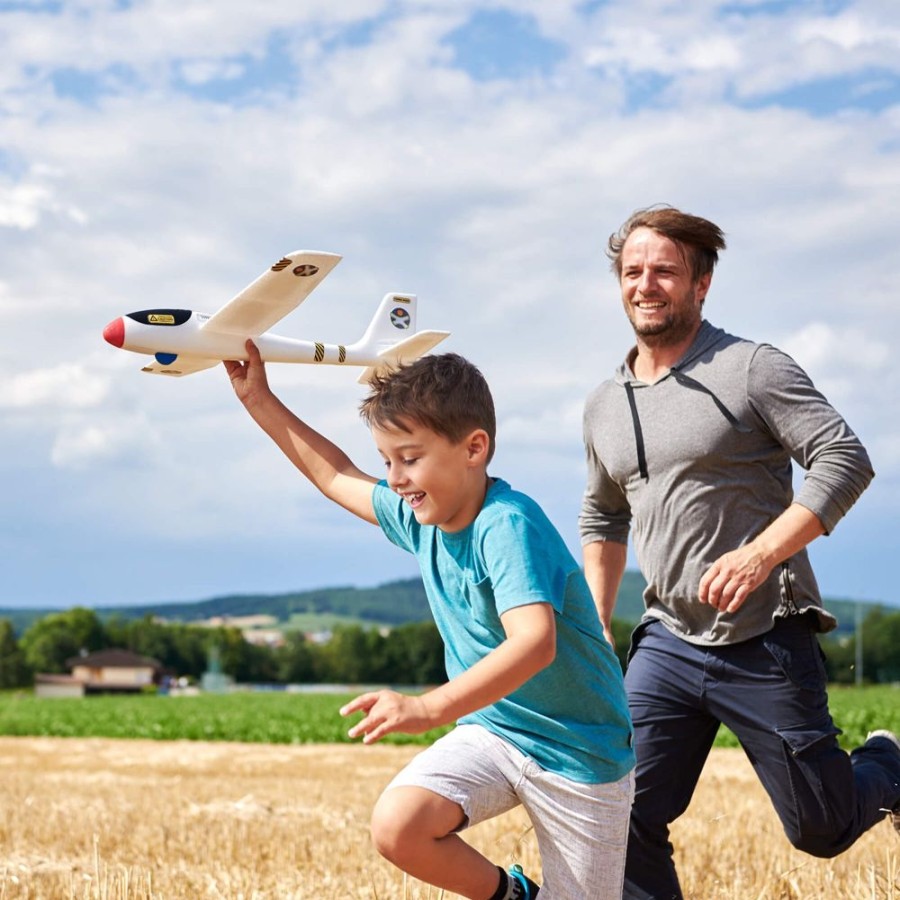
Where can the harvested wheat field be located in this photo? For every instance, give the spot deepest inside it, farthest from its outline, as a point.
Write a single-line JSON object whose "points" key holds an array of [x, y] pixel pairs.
{"points": [[134, 820]]}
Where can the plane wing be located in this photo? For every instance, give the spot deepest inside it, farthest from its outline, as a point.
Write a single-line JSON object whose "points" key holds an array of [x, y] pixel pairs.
{"points": [[274, 294], [181, 365]]}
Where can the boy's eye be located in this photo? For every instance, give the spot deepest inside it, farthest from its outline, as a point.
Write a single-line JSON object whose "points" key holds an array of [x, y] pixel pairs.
{"points": [[408, 462]]}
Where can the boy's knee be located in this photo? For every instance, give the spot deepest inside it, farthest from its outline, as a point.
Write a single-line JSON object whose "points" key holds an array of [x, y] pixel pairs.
{"points": [[389, 828]]}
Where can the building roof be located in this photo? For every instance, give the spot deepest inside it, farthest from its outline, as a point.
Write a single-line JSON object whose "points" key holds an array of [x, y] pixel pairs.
{"points": [[114, 658]]}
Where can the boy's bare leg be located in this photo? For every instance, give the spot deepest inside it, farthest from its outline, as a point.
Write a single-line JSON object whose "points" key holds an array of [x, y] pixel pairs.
{"points": [[414, 829]]}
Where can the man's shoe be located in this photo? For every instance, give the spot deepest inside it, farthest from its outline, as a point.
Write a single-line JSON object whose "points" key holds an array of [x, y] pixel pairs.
{"points": [[523, 887], [884, 735]]}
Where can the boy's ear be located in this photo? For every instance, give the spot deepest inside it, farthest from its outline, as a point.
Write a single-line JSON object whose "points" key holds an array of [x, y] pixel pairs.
{"points": [[477, 445]]}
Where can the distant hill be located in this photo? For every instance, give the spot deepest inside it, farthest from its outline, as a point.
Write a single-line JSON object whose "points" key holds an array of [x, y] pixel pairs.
{"points": [[392, 603]]}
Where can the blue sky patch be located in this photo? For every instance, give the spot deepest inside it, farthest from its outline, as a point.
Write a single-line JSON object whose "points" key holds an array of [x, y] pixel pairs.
{"points": [[870, 91], [500, 44], [643, 90], [35, 6], [780, 7], [242, 78], [87, 86]]}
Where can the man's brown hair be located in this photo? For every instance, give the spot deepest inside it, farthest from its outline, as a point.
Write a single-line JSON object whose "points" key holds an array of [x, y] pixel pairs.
{"points": [[699, 238]]}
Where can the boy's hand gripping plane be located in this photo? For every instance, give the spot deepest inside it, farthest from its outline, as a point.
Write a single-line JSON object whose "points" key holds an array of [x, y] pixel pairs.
{"points": [[182, 341]]}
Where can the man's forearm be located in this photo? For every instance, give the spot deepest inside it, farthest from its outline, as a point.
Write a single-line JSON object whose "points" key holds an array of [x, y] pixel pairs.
{"points": [[604, 566]]}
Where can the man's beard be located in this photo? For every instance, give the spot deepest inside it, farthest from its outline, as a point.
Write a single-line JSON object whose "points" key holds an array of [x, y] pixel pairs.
{"points": [[674, 329]]}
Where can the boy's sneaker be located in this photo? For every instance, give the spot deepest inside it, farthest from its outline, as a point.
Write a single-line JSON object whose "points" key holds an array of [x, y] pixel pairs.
{"points": [[523, 888], [881, 736]]}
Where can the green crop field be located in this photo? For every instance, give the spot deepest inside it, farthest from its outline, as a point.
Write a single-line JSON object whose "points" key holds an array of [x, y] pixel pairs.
{"points": [[279, 717], [274, 717]]}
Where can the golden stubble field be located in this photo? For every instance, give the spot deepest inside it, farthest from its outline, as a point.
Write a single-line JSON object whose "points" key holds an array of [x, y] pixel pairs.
{"points": [[134, 820]]}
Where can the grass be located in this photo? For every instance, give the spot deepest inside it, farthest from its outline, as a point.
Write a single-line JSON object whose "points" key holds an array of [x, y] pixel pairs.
{"points": [[856, 711]]}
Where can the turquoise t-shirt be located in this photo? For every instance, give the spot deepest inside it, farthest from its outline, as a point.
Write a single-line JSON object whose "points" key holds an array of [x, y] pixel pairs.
{"points": [[572, 717]]}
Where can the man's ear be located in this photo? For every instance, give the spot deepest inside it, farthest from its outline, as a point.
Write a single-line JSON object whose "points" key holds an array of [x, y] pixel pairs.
{"points": [[477, 445], [703, 283]]}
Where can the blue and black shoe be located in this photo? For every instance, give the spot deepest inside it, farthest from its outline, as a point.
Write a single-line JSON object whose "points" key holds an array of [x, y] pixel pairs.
{"points": [[523, 888], [888, 740]]}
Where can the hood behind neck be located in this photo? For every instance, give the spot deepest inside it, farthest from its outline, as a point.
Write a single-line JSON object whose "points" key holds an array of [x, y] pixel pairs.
{"points": [[706, 337]]}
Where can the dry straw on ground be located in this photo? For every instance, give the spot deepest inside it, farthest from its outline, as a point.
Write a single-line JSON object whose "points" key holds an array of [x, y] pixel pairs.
{"points": [[135, 820]]}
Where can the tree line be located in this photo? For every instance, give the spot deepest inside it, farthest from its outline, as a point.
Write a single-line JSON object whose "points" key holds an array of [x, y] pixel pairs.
{"points": [[408, 654]]}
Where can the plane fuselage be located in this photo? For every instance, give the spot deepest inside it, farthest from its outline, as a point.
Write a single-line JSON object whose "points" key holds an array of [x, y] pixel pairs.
{"points": [[179, 332]]}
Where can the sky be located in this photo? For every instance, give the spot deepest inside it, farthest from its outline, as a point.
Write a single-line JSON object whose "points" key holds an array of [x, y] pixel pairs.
{"points": [[164, 153]]}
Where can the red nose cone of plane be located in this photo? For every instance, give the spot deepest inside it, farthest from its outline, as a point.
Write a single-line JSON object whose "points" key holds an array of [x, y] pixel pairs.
{"points": [[114, 333]]}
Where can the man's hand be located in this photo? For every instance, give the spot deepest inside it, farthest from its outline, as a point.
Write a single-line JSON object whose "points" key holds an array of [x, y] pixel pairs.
{"points": [[249, 379], [735, 575], [732, 578], [387, 712]]}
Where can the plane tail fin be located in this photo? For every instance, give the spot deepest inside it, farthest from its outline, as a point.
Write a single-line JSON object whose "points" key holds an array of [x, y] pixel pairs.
{"points": [[392, 335], [394, 319]]}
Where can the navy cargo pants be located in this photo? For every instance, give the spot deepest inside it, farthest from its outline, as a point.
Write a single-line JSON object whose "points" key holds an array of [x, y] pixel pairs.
{"points": [[770, 691]]}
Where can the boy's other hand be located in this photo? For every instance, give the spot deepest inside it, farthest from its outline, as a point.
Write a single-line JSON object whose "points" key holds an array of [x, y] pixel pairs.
{"points": [[387, 712], [248, 378]]}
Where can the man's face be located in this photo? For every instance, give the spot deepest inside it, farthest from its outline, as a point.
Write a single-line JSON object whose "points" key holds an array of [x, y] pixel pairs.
{"points": [[662, 300]]}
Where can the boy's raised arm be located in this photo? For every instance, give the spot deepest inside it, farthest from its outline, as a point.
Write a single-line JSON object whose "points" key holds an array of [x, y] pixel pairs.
{"points": [[321, 461]]}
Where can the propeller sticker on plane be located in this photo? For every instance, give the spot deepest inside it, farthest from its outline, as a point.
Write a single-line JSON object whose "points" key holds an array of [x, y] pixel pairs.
{"points": [[400, 318]]}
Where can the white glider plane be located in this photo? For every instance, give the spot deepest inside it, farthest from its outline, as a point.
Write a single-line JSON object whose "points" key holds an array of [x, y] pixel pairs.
{"points": [[182, 341]]}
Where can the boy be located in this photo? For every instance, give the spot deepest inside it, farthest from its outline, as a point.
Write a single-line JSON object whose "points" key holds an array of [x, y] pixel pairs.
{"points": [[534, 687]]}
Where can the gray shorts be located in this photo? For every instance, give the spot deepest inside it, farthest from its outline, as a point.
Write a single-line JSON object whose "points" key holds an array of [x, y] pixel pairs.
{"points": [[581, 829]]}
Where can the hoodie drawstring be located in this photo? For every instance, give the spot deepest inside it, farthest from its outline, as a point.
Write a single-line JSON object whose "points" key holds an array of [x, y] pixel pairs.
{"points": [[638, 432], [684, 381]]}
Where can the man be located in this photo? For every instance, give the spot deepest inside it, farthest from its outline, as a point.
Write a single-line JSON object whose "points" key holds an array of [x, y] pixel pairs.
{"points": [[689, 449]]}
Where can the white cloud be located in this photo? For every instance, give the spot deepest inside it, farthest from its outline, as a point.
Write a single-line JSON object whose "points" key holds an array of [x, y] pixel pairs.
{"points": [[23, 205], [850, 351], [20, 205], [81, 444], [66, 386], [491, 201], [850, 31]]}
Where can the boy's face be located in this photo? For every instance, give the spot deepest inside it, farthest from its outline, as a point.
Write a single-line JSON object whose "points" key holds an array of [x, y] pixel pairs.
{"points": [[443, 482]]}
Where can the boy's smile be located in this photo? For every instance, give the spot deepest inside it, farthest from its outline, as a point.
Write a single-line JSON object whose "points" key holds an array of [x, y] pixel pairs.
{"points": [[443, 482]]}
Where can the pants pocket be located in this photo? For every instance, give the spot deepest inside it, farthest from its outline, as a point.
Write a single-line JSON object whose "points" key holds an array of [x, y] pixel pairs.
{"points": [[793, 645]]}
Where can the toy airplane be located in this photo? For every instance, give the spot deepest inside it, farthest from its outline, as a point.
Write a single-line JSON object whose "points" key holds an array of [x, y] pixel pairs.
{"points": [[182, 341]]}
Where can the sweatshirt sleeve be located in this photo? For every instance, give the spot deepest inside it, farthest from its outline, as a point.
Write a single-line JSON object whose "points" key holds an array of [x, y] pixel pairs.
{"points": [[837, 465], [605, 511]]}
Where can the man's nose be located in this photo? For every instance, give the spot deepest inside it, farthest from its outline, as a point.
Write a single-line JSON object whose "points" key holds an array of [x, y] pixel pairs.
{"points": [[647, 282]]}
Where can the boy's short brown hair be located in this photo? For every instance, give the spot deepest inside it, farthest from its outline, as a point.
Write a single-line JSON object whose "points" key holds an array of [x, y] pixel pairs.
{"points": [[445, 393]]}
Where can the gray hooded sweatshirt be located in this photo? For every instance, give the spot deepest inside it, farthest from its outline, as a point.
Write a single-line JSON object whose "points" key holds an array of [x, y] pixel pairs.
{"points": [[699, 463]]}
